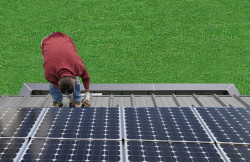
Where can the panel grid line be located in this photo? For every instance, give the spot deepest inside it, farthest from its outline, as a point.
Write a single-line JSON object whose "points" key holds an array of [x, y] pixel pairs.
{"points": [[204, 124]]}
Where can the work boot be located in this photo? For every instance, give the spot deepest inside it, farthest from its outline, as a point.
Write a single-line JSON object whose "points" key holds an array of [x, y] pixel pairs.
{"points": [[78, 104], [57, 104]]}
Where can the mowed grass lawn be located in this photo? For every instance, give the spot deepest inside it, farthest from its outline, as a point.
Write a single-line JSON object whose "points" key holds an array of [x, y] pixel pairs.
{"points": [[188, 41]]}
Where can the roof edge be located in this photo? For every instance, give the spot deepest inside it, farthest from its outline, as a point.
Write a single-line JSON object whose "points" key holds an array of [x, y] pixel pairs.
{"points": [[178, 89]]}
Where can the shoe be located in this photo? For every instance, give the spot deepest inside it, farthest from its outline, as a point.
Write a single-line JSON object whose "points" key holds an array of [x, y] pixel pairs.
{"points": [[57, 104], [87, 103], [78, 104]]}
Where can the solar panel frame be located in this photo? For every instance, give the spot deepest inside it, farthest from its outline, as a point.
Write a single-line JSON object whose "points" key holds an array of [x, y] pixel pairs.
{"points": [[212, 133], [91, 146], [38, 112], [35, 136], [155, 140], [157, 149]]}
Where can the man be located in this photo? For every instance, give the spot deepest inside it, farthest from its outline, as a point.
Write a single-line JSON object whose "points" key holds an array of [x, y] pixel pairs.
{"points": [[62, 66]]}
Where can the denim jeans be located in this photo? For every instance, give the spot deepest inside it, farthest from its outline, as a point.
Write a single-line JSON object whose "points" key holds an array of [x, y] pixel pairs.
{"points": [[57, 95]]}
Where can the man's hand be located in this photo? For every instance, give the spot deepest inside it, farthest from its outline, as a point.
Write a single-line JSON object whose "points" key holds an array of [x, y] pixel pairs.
{"points": [[86, 101]]}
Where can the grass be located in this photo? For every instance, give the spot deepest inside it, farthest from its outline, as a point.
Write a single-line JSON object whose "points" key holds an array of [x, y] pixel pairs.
{"points": [[192, 41]]}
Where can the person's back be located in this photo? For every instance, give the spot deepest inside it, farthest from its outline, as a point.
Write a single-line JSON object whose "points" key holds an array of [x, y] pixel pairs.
{"points": [[62, 60]]}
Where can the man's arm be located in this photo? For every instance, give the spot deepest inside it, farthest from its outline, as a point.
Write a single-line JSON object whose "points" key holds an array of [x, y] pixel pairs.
{"points": [[86, 83]]}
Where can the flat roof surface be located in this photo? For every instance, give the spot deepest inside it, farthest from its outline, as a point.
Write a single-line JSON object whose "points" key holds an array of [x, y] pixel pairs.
{"points": [[134, 101]]}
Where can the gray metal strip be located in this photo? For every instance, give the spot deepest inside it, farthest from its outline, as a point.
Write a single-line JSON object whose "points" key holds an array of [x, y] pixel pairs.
{"points": [[21, 151], [37, 123], [123, 152], [79, 139], [175, 100], [197, 100], [153, 99], [168, 141], [241, 101], [122, 128], [132, 98], [120, 123], [111, 98], [142, 88], [204, 125], [219, 100], [45, 100], [232, 143], [222, 153], [126, 151]]}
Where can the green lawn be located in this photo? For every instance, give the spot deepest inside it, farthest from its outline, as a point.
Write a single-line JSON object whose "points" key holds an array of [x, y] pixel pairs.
{"points": [[161, 41]]}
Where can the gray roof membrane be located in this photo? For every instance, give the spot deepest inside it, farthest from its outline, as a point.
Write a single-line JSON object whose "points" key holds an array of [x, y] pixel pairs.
{"points": [[133, 101]]}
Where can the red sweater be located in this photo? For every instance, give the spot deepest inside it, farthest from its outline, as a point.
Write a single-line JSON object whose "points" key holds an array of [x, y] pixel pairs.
{"points": [[61, 59]]}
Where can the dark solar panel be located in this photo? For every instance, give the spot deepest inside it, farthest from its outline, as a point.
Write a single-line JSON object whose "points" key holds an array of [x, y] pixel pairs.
{"points": [[81, 123], [179, 124], [227, 124], [9, 149], [237, 152], [72, 150], [17, 122], [161, 151]]}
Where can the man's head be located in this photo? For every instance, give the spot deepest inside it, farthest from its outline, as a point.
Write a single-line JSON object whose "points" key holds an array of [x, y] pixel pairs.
{"points": [[67, 85]]}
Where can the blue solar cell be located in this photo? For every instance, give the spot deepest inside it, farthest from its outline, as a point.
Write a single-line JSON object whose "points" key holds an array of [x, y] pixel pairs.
{"points": [[179, 124], [81, 123], [17, 122], [237, 152], [161, 151], [9, 148], [227, 124], [72, 150]]}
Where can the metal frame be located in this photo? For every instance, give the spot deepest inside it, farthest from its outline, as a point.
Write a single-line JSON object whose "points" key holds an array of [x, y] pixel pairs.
{"points": [[142, 89]]}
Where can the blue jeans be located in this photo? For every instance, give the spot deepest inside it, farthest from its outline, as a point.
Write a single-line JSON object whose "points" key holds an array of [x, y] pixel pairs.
{"points": [[57, 95]]}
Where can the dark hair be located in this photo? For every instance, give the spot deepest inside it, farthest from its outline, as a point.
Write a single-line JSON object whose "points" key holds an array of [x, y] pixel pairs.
{"points": [[66, 85]]}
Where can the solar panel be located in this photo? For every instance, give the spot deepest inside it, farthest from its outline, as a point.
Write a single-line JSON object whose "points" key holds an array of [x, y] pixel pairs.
{"points": [[237, 152], [172, 123], [162, 151], [9, 148], [81, 123], [72, 150], [17, 122], [227, 124]]}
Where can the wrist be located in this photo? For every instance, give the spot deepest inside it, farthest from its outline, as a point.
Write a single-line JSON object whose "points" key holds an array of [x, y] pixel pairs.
{"points": [[87, 96]]}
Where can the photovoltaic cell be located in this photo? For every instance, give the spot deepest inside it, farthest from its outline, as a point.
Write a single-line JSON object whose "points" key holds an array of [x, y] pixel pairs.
{"points": [[161, 151], [237, 152], [9, 148], [227, 124], [17, 122], [172, 123], [81, 123], [72, 150]]}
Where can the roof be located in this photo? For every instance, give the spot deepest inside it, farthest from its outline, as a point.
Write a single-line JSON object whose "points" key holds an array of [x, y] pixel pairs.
{"points": [[98, 100], [139, 124]]}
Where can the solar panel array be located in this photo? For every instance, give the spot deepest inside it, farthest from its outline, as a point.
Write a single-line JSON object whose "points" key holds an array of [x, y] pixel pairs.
{"points": [[125, 134], [227, 124], [81, 123], [177, 124]]}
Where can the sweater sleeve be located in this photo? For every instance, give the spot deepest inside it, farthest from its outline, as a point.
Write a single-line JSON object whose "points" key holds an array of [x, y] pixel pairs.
{"points": [[85, 78]]}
